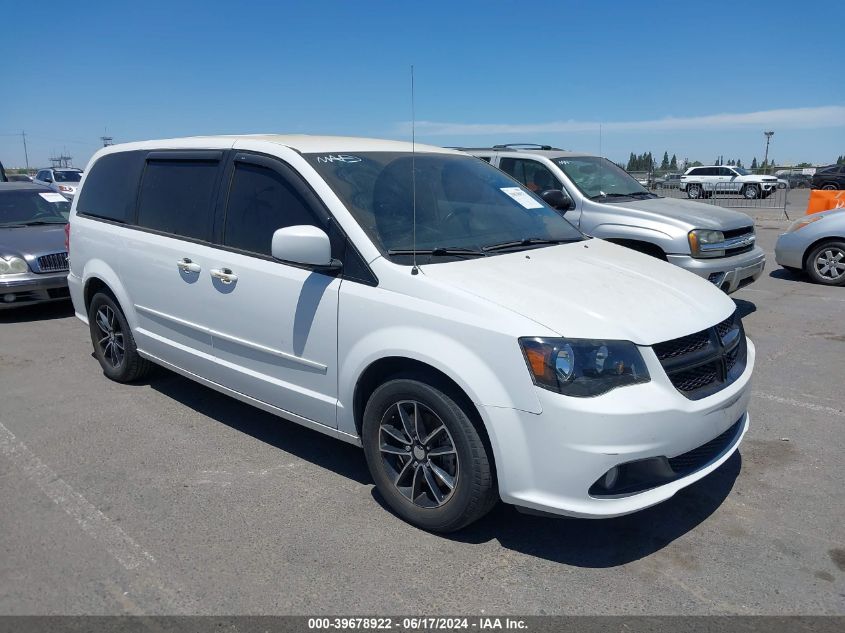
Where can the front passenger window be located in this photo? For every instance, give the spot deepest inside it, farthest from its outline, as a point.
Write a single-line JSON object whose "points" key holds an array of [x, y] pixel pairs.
{"points": [[261, 201]]}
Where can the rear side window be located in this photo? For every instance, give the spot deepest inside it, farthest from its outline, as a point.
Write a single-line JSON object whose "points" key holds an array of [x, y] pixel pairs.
{"points": [[111, 188], [177, 197], [261, 200]]}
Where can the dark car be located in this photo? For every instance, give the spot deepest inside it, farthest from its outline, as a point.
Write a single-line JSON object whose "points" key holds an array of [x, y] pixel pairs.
{"points": [[2, 173], [669, 181], [831, 177], [33, 255]]}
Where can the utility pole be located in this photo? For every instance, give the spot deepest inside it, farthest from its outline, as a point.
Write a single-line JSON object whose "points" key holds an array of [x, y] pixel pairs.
{"points": [[769, 136], [25, 153]]}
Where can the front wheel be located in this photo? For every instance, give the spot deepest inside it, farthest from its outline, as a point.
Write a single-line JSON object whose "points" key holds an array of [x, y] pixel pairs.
{"points": [[426, 457], [751, 192], [114, 345], [694, 192], [829, 187], [826, 263]]}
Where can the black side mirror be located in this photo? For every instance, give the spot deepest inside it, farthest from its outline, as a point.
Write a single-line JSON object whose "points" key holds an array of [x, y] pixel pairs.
{"points": [[557, 199]]}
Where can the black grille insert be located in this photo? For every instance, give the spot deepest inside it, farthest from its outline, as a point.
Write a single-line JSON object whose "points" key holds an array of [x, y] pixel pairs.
{"points": [[53, 262], [705, 362]]}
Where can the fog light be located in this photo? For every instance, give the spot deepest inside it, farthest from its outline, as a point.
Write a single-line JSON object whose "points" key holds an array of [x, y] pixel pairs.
{"points": [[610, 478], [9, 297]]}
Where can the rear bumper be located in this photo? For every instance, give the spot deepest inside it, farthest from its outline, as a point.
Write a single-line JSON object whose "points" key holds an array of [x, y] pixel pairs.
{"points": [[729, 273], [31, 288]]}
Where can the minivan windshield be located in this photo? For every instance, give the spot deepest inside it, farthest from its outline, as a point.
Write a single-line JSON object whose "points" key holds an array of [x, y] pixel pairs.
{"points": [[464, 207], [598, 178], [67, 176]]}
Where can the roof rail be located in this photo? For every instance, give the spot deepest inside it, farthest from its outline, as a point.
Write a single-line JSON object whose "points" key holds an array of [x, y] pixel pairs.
{"points": [[507, 146], [526, 146]]}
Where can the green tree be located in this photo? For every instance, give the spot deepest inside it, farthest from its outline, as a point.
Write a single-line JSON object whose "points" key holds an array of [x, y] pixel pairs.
{"points": [[673, 164], [664, 164], [754, 163], [738, 163]]}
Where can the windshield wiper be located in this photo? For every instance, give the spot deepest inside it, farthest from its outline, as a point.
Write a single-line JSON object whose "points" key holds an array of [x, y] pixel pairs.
{"points": [[440, 251], [528, 241], [642, 193], [39, 222]]}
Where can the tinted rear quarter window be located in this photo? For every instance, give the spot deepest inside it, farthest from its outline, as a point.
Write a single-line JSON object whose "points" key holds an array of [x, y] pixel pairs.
{"points": [[177, 197], [111, 188]]}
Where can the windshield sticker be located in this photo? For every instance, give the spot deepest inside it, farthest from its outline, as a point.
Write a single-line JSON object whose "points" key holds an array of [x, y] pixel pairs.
{"points": [[338, 158], [522, 197], [53, 197]]}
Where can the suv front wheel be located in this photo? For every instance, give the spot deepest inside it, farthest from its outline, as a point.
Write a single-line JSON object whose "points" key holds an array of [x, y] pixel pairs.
{"points": [[826, 263], [694, 192], [751, 192], [426, 457]]}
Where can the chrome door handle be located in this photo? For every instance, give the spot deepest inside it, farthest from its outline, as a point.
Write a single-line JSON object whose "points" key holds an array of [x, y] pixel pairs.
{"points": [[224, 274], [187, 266]]}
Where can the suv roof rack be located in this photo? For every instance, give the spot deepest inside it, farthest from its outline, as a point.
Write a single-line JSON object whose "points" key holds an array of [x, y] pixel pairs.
{"points": [[526, 146], [506, 146]]}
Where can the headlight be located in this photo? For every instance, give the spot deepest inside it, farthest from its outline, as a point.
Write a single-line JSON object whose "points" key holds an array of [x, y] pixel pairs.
{"points": [[703, 243], [581, 367], [800, 223], [11, 265]]}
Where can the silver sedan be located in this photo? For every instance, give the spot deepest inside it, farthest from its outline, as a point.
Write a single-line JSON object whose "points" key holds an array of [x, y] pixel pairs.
{"points": [[815, 244]]}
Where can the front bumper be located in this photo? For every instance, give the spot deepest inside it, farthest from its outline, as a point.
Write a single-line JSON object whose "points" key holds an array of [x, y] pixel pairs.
{"points": [[30, 288], [549, 462], [729, 273], [789, 250]]}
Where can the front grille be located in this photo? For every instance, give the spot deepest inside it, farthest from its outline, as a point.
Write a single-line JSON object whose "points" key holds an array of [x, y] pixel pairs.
{"points": [[701, 456], [706, 362], [745, 231], [54, 262]]}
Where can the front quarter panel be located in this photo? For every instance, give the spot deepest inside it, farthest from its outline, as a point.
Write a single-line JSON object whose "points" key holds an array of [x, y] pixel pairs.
{"points": [[473, 348]]}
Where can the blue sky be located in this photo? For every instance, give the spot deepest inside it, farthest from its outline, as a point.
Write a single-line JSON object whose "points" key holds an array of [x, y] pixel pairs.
{"points": [[696, 79]]}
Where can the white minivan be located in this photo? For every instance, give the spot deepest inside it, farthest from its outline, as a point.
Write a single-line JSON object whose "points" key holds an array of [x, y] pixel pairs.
{"points": [[420, 303]]}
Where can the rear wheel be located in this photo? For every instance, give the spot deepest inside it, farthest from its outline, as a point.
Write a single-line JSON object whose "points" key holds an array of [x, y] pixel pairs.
{"points": [[426, 457], [826, 263], [114, 345], [829, 187]]}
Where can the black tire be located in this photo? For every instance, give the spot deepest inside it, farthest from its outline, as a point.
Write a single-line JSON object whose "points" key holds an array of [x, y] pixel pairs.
{"points": [[750, 192], [829, 187], [109, 330], [473, 493], [821, 273], [694, 192]]}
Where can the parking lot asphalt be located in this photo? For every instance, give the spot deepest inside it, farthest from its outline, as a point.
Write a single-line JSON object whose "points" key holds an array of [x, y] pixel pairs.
{"points": [[167, 497]]}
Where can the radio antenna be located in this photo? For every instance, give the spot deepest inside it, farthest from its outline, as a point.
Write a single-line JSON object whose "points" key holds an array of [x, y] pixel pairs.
{"points": [[414, 269]]}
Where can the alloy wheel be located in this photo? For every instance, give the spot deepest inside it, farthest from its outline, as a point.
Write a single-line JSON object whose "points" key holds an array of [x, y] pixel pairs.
{"points": [[418, 453], [830, 263], [111, 342]]}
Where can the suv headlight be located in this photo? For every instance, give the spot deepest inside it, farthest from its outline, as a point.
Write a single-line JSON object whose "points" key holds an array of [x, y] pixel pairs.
{"points": [[703, 243], [11, 265], [582, 367]]}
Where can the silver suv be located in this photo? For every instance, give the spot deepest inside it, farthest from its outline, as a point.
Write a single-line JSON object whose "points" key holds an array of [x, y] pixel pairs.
{"points": [[604, 201], [63, 180]]}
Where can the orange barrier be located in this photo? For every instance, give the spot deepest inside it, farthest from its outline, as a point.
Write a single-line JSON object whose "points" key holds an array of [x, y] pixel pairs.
{"points": [[825, 200]]}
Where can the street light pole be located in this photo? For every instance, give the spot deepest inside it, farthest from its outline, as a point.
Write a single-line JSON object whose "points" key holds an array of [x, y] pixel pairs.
{"points": [[769, 136]]}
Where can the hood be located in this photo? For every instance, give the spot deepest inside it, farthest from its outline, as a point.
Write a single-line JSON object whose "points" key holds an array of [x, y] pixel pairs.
{"points": [[698, 215], [592, 289], [32, 240]]}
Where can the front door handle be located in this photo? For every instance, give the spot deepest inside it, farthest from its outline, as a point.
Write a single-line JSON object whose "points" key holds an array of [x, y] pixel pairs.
{"points": [[187, 266], [224, 274]]}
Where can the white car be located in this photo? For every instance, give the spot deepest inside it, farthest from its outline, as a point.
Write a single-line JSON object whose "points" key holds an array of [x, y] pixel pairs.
{"points": [[419, 303], [702, 182], [63, 180]]}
